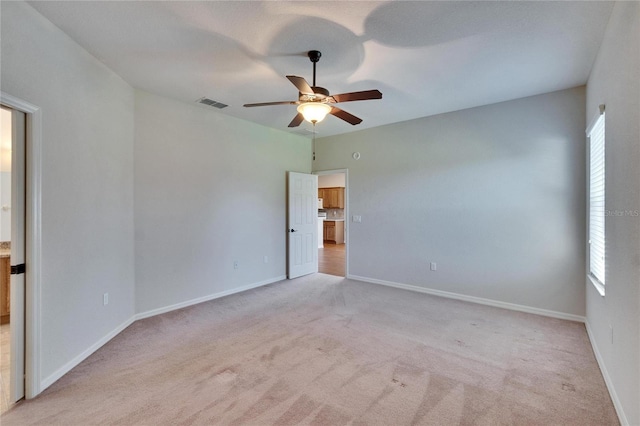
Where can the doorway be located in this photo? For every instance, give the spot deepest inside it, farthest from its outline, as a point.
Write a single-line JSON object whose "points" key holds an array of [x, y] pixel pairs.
{"points": [[12, 254], [333, 212]]}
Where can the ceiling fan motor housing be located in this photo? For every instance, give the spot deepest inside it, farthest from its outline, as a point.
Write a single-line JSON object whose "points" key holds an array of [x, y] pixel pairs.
{"points": [[320, 91], [319, 94], [314, 55]]}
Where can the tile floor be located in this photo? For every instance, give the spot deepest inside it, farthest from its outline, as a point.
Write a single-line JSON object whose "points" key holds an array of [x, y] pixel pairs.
{"points": [[5, 351]]}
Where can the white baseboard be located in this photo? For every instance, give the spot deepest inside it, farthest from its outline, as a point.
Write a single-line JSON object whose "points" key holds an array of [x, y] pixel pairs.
{"points": [[45, 383], [473, 299], [607, 379], [181, 305], [113, 333]]}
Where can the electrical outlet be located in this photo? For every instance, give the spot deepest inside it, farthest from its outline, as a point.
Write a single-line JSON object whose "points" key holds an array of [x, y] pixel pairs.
{"points": [[357, 218], [266, 259], [433, 266], [236, 264], [105, 299]]}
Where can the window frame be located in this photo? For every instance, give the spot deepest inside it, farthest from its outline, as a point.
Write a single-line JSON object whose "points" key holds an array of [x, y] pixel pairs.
{"points": [[596, 222]]}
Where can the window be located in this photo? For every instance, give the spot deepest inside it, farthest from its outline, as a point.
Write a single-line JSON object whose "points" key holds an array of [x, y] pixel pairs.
{"points": [[596, 136]]}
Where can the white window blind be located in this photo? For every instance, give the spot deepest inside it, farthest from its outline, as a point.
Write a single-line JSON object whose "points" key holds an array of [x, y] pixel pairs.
{"points": [[597, 199]]}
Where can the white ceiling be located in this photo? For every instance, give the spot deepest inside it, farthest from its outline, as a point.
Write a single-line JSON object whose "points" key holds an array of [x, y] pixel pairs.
{"points": [[425, 57]]}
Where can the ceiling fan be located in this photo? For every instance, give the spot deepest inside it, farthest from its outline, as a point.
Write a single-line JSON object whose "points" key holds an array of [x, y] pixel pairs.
{"points": [[314, 102]]}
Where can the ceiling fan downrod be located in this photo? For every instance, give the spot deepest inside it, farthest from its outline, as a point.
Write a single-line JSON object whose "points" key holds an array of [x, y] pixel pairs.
{"points": [[314, 56]]}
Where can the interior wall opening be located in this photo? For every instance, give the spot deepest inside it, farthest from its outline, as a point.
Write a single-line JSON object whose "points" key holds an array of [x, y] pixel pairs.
{"points": [[332, 214], [12, 202]]}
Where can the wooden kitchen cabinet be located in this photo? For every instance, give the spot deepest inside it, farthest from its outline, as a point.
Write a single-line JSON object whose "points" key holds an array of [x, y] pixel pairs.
{"points": [[340, 197], [333, 197], [329, 231], [5, 283], [334, 231]]}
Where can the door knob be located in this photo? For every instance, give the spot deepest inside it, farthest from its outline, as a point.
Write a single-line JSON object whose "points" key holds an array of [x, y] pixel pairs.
{"points": [[293, 230]]}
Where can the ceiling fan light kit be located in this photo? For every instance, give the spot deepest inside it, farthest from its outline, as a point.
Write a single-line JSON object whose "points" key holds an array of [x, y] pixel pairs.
{"points": [[314, 101], [314, 112]]}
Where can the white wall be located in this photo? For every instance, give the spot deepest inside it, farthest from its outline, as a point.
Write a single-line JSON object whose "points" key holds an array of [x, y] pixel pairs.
{"points": [[87, 183], [210, 189], [5, 174], [614, 82], [336, 180], [5, 202], [5, 139], [494, 195]]}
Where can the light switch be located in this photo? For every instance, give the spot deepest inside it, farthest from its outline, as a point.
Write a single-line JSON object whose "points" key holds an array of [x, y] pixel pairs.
{"points": [[357, 218]]}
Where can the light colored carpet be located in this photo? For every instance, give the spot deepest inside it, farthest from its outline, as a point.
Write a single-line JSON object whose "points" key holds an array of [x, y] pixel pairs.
{"points": [[323, 350]]}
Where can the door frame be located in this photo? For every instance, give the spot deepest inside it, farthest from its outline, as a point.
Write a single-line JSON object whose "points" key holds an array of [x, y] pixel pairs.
{"points": [[347, 240], [33, 240]]}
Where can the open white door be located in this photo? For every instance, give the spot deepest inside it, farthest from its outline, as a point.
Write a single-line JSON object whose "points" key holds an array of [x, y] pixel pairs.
{"points": [[302, 228], [17, 301]]}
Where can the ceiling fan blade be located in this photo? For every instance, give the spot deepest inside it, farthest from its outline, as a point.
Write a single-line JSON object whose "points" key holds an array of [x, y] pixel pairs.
{"points": [[357, 96], [301, 84], [299, 118], [344, 115], [272, 103]]}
